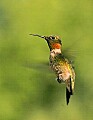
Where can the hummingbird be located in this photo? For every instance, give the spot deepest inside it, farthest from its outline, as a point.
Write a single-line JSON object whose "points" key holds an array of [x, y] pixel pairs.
{"points": [[62, 66]]}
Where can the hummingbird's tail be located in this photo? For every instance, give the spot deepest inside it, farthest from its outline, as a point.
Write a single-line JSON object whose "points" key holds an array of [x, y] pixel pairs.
{"points": [[69, 92]]}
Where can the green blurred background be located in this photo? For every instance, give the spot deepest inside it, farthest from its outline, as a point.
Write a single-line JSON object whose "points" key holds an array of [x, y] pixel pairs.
{"points": [[28, 90]]}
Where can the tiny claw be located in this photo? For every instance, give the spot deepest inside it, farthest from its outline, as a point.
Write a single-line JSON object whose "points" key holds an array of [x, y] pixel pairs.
{"points": [[37, 35]]}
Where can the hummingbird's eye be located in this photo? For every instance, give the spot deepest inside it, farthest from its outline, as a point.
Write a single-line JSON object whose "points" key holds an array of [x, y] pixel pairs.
{"points": [[53, 37]]}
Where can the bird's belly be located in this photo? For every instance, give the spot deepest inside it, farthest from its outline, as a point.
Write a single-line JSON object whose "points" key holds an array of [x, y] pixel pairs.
{"points": [[62, 72], [64, 76]]}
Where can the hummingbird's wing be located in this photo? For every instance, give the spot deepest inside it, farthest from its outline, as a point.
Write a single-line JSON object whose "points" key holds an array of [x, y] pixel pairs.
{"points": [[70, 54], [71, 51]]}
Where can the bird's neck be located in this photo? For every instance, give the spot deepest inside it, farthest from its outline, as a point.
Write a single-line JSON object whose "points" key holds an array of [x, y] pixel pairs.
{"points": [[55, 52]]}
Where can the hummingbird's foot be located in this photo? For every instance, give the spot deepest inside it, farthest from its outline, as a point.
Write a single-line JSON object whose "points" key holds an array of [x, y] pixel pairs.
{"points": [[60, 80]]}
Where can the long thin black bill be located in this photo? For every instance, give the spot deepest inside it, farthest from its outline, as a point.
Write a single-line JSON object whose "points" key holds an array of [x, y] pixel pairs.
{"points": [[37, 35]]}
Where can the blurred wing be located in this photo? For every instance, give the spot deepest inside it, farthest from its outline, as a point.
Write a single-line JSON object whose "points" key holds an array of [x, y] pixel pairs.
{"points": [[36, 66], [70, 52]]}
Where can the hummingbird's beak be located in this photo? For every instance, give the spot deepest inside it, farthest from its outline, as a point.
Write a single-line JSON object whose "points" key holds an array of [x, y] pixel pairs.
{"points": [[37, 35]]}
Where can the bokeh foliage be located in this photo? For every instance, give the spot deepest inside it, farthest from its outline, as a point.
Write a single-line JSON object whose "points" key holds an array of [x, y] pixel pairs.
{"points": [[28, 90]]}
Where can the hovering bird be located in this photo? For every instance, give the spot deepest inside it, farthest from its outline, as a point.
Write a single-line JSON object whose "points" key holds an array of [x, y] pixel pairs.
{"points": [[62, 67]]}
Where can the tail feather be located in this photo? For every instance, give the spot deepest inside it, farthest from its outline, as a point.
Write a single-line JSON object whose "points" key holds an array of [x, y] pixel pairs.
{"points": [[69, 93]]}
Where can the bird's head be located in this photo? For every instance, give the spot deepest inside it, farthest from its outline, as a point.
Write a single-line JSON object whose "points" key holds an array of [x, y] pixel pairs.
{"points": [[54, 42]]}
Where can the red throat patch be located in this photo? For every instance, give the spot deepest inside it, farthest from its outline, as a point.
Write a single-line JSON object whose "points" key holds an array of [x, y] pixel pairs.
{"points": [[56, 46]]}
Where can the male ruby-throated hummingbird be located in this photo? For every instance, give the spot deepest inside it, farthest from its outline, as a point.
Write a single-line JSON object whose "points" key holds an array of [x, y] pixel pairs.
{"points": [[60, 64]]}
